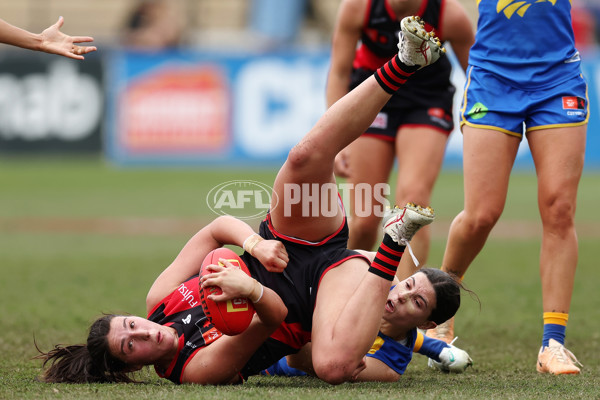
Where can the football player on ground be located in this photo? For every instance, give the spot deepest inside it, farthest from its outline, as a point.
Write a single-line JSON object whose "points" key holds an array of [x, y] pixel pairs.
{"points": [[334, 296]]}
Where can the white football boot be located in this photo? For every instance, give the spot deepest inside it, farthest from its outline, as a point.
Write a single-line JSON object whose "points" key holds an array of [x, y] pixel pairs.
{"points": [[416, 46], [402, 223], [452, 359]]}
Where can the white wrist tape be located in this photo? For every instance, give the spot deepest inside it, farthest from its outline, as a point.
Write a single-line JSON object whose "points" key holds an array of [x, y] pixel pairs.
{"points": [[251, 242]]}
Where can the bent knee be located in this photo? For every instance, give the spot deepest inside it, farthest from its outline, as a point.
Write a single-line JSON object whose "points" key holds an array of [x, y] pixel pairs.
{"points": [[483, 222]]}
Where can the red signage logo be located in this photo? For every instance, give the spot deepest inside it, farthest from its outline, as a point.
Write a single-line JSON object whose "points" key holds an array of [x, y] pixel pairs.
{"points": [[177, 110]]}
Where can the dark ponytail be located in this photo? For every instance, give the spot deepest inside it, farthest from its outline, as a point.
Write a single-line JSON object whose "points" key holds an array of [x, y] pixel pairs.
{"points": [[447, 292], [85, 363]]}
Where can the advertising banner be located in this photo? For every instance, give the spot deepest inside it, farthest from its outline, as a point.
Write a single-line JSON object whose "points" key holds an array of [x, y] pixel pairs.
{"points": [[193, 108], [189, 108], [50, 104]]}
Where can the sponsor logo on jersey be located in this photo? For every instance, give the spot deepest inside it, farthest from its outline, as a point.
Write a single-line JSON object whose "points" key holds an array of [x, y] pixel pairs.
{"points": [[187, 319], [213, 334], [187, 295]]}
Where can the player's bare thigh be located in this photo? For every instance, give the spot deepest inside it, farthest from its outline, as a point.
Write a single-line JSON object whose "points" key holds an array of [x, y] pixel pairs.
{"points": [[335, 288], [488, 158], [559, 155], [420, 152], [306, 207]]}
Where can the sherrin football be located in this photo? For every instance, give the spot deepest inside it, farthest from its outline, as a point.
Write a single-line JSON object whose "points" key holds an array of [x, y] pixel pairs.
{"points": [[231, 317]]}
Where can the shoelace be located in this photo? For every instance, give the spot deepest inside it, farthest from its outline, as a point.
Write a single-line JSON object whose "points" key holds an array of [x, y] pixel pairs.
{"points": [[410, 251], [563, 355]]}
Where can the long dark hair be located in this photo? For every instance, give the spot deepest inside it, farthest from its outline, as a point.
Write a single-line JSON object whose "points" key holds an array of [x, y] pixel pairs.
{"points": [[85, 363], [447, 292]]}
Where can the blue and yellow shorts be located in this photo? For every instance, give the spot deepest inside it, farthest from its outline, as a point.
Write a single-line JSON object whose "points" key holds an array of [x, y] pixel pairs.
{"points": [[490, 103]]}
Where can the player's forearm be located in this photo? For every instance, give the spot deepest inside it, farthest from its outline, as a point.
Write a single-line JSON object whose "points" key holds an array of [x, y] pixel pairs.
{"points": [[15, 36], [270, 308], [230, 230]]}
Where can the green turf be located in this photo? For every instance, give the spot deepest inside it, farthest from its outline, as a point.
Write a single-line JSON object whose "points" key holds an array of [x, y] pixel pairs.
{"points": [[55, 281]]}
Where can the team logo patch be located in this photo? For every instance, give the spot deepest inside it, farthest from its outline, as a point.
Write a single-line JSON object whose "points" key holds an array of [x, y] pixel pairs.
{"points": [[478, 111], [510, 7], [573, 103]]}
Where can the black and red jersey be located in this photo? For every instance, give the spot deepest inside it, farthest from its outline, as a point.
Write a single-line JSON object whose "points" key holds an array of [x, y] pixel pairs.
{"points": [[297, 286], [379, 38], [379, 43], [183, 311]]}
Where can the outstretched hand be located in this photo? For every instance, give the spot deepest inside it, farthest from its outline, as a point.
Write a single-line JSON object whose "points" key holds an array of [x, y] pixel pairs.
{"points": [[56, 42], [271, 254], [233, 282]]}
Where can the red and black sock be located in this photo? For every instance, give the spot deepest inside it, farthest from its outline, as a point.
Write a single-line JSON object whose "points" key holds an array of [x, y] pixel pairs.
{"points": [[387, 258], [394, 74]]}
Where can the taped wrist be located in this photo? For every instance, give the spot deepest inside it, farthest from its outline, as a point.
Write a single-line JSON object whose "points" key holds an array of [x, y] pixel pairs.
{"points": [[251, 242]]}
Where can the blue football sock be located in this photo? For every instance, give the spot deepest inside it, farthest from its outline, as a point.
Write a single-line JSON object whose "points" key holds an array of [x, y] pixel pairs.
{"points": [[281, 368], [555, 326]]}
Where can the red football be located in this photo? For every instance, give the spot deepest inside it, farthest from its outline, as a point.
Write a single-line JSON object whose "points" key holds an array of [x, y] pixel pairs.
{"points": [[231, 317]]}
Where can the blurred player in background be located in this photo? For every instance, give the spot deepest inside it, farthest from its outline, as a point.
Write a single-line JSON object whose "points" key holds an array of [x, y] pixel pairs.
{"points": [[524, 72], [51, 40], [334, 296], [154, 25], [413, 127]]}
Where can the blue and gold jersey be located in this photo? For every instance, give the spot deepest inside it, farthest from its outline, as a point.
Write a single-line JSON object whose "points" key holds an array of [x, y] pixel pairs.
{"points": [[528, 43], [392, 353]]}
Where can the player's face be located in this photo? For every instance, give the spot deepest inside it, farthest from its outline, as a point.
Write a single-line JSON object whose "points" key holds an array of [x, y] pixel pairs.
{"points": [[411, 302], [140, 342]]}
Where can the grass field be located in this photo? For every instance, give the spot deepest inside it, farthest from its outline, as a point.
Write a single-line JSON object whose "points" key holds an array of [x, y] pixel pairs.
{"points": [[79, 237]]}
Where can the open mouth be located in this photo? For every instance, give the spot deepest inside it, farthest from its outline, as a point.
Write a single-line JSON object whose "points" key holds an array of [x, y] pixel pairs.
{"points": [[389, 306]]}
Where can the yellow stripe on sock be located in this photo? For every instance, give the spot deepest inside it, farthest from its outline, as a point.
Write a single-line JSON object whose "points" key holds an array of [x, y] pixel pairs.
{"points": [[419, 341], [556, 318]]}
